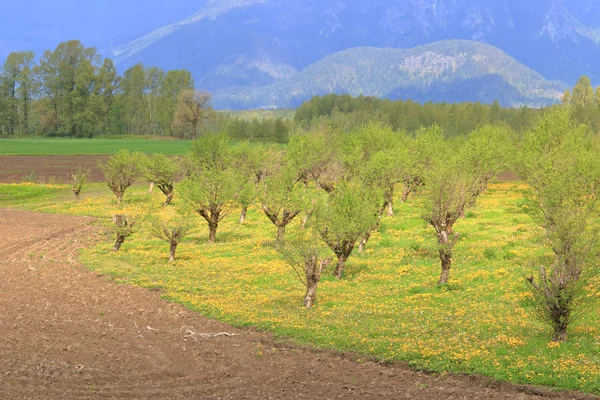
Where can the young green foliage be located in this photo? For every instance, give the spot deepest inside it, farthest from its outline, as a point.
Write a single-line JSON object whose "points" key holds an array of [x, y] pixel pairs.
{"points": [[345, 218], [281, 199], [163, 172], [171, 225], [78, 179], [123, 227], [211, 194], [563, 169], [308, 257], [247, 160], [377, 155], [457, 174], [422, 149], [120, 172], [316, 156]]}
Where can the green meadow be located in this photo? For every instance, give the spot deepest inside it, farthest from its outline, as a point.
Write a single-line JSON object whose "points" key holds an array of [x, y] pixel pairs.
{"points": [[67, 146]]}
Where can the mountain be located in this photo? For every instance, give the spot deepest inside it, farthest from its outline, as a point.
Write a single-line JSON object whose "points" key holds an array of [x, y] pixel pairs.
{"points": [[257, 42], [258, 47], [443, 71]]}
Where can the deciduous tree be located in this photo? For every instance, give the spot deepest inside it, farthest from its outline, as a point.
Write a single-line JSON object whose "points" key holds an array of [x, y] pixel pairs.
{"points": [[563, 169]]}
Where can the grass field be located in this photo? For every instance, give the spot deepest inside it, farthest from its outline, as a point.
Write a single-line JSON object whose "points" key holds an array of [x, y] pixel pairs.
{"points": [[44, 146], [388, 305]]}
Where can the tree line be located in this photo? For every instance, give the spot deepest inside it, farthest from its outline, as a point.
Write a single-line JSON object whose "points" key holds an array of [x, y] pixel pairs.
{"points": [[73, 91], [338, 186], [454, 118]]}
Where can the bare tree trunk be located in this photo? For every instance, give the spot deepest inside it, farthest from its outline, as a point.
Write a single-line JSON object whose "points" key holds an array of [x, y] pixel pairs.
{"points": [[364, 241], [311, 293], [446, 258], [406, 192], [119, 198], [243, 214], [169, 198], [151, 188], [77, 196], [280, 234], [172, 251], [560, 332], [118, 243], [341, 264], [390, 201], [212, 232]]}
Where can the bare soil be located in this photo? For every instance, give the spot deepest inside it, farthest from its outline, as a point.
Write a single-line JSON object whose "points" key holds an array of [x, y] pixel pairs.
{"points": [[69, 333], [54, 169], [47, 169]]}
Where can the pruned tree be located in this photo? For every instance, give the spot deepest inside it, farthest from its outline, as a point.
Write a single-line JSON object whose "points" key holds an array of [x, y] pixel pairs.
{"points": [[316, 156], [345, 218], [247, 161], [120, 172], [211, 193], [123, 228], [446, 196], [488, 152], [281, 200], [422, 149], [78, 179], [563, 169], [378, 155], [171, 226], [308, 258], [451, 184], [163, 172], [192, 109]]}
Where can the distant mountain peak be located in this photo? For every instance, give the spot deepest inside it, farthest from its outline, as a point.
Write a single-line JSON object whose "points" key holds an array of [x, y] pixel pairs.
{"points": [[212, 10]]}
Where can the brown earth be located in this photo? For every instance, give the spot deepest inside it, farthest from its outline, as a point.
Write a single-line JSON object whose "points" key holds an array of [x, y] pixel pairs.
{"points": [[54, 169], [47, 169], [68, 333]]}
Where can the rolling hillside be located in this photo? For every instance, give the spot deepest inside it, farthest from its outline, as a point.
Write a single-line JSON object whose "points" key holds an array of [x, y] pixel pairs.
{"points": [[442, 71]]}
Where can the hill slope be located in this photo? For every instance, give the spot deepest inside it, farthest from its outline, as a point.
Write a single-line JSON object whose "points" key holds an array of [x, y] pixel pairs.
{"points": [[253, 42], [442, 71]]}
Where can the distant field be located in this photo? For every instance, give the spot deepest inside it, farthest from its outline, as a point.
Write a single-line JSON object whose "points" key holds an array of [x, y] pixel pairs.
{"points": [[40, 146]]}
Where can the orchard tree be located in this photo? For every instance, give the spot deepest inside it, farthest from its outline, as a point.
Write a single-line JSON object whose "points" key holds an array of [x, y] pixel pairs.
{"points": [[422, 149], [171, 225], [316, 156], [376, 154], [563, 169], [451, 185], [78, 179], [345, 218], [281, 200], [308, 257], [211, 193], [123, 227], [489, 151], [121, 171], [247, 161], [163, 172]]}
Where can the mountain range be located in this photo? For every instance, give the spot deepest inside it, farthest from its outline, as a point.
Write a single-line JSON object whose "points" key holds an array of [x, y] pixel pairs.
{"points": [[276, 53]]}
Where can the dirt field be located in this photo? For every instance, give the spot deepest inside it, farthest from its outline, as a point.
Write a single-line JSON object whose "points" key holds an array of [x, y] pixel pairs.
{"points": [[54, 169], [67, 333], [47, 169]]}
